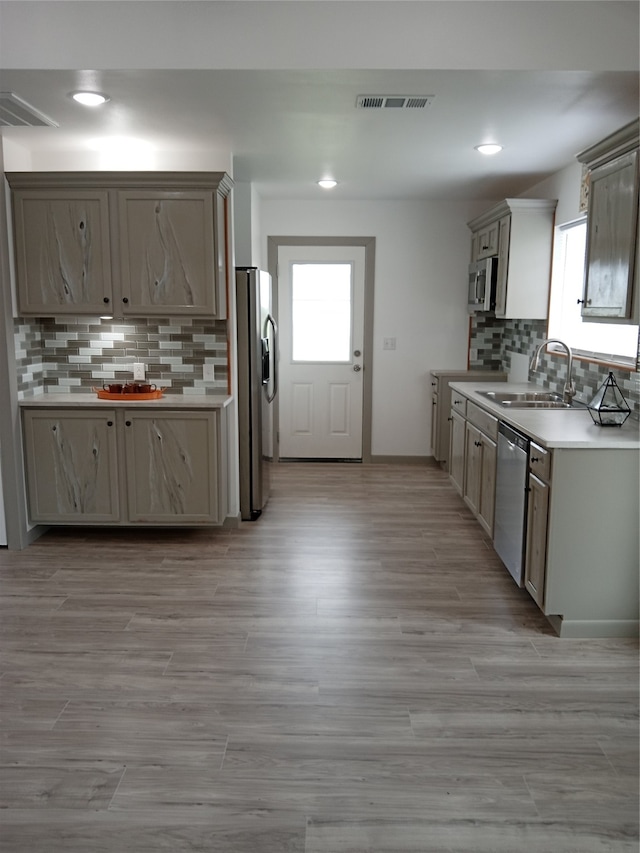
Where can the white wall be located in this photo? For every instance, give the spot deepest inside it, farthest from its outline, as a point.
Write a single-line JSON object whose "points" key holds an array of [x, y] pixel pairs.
{"points": [[565, 186], [422, 254]]}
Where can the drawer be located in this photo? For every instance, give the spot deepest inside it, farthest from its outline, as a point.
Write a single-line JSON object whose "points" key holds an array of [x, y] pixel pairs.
{"points": [[459, 403], [540, 462], [485, 422]]}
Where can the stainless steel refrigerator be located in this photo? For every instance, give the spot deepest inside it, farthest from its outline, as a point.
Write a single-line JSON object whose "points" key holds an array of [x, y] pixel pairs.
{"points": [[257, 387]]}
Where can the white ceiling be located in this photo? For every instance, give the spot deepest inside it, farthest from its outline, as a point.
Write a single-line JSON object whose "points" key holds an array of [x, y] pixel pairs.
{"points": [[282, 129]]}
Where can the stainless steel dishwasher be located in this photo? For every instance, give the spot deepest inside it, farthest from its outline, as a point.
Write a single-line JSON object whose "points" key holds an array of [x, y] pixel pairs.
{"points": [[510, 521]]}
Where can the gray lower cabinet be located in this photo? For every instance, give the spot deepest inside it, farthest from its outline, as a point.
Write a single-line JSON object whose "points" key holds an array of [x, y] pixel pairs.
{"points": [[456, 449], [537, 522], [480, 457], [441, 405], [124, 467], [72, 466], [480, 476], [172, 467]]}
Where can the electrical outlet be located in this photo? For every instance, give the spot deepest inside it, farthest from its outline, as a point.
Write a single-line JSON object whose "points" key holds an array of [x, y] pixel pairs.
{"points": [[208, 372], [388, 343], [138, 370]]}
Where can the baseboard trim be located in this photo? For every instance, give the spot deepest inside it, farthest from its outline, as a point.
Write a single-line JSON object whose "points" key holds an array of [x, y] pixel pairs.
{"points": [[403, 460], [593, 628]]}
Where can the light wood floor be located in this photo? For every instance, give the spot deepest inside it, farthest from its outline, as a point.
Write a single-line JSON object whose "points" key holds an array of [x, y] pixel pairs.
{"points": [[354, 673]]}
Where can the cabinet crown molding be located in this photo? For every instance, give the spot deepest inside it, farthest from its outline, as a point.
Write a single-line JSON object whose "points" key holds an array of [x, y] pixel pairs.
{"points": [[219, 181], [511, 205], [620, 142]]}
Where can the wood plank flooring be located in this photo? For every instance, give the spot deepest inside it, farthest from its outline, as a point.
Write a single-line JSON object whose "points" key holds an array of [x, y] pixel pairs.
{"points": [[356, 672]]}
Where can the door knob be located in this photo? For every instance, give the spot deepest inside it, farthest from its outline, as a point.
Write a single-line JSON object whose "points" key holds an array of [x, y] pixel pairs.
{"points": [[357, 368], [357, 353]]}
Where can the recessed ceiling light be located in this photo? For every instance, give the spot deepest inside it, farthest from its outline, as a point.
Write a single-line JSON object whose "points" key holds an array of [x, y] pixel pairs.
{"points": [[90, 99], [327, 184], [488, 148]]}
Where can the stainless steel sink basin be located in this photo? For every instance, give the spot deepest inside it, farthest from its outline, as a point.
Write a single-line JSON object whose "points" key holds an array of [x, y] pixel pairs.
{"points": [[535, 404], [522, 396], [527, 399]]}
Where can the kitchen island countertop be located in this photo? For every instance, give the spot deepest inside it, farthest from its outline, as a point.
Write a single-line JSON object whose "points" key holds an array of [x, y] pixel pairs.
{"points": [[553, 428]]}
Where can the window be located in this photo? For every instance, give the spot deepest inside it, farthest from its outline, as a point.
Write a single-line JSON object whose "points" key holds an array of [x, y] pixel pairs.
{"points": [[321, 311], [608, 342]]}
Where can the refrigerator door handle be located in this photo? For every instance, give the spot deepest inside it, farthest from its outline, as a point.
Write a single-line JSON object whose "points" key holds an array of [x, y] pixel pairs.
{"points": [[270, 320]]}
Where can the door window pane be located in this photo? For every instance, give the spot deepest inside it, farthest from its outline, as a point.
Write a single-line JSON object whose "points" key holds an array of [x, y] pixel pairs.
{"points": [[321, 312]]}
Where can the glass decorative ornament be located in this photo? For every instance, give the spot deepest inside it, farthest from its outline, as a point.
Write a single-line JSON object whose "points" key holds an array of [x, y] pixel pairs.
{"points": [[608, 407]]}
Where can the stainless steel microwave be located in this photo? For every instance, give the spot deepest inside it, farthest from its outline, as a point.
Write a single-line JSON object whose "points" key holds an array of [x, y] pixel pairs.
{"points": [[483, 278]]}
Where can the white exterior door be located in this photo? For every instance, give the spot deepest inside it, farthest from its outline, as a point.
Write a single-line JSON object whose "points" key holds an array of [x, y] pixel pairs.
{"points": [[321, 319]]}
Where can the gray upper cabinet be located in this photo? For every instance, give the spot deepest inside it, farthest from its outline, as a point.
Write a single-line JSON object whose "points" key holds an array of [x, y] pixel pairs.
{"points": [[519, 232], [63, 251], [122, 243], [167, 252], [612, 228]]}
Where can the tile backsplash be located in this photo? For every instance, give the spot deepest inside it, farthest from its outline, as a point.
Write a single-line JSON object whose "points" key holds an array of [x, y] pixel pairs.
{"points": [[77, 354], [494, 341]]}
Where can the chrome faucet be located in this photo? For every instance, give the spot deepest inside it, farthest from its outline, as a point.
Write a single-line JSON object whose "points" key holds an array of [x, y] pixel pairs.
{"points": [[569, 391]]}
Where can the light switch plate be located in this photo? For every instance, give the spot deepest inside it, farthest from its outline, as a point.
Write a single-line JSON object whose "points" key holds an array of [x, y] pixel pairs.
{"points": [[208, 372], [138, 370], [388, 343]]}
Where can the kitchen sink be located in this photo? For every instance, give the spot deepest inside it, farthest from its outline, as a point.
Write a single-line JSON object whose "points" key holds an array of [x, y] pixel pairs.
{"points": [[535, 404], [527, 399]]}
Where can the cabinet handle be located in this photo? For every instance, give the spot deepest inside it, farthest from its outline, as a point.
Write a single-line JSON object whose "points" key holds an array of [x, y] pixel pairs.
{"points": [[106, 300], [109, 423], [457, 402], [125, 299], [484, 248], [449, 418], [127, 423], [584, 302], [478, 443]]}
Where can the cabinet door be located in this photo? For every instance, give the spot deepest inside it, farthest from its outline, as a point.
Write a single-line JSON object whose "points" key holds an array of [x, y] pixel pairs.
{"points": [[168, 252], [172, 467], [487, 495], [472, 467], [63, 262], [488, 241], [611, 239], [435, 428], [536, 551], [504, 238], [72, 465], [456, 451]]}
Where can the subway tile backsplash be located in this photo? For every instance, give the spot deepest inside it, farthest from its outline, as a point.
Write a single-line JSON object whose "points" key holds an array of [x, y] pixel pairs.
{"points": [[77, 354], [493, 341]]}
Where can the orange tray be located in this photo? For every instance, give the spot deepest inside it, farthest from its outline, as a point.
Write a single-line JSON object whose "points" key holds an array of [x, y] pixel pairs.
{"points": [[107, 395]]}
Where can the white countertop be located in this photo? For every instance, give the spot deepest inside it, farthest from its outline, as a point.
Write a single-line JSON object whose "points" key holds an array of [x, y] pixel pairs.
{"points": [[560, 428], [91, 400]]}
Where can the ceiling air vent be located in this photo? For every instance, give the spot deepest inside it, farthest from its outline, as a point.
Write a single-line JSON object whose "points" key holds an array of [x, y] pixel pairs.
{"points": [[14, 112], [398, 102]]}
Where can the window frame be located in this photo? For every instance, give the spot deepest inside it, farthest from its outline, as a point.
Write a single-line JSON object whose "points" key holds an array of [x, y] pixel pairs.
{"points": [[593, 356]]}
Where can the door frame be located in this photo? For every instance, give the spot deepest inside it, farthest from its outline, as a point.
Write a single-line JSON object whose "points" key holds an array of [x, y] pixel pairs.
{"points": [[369, 245]]}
